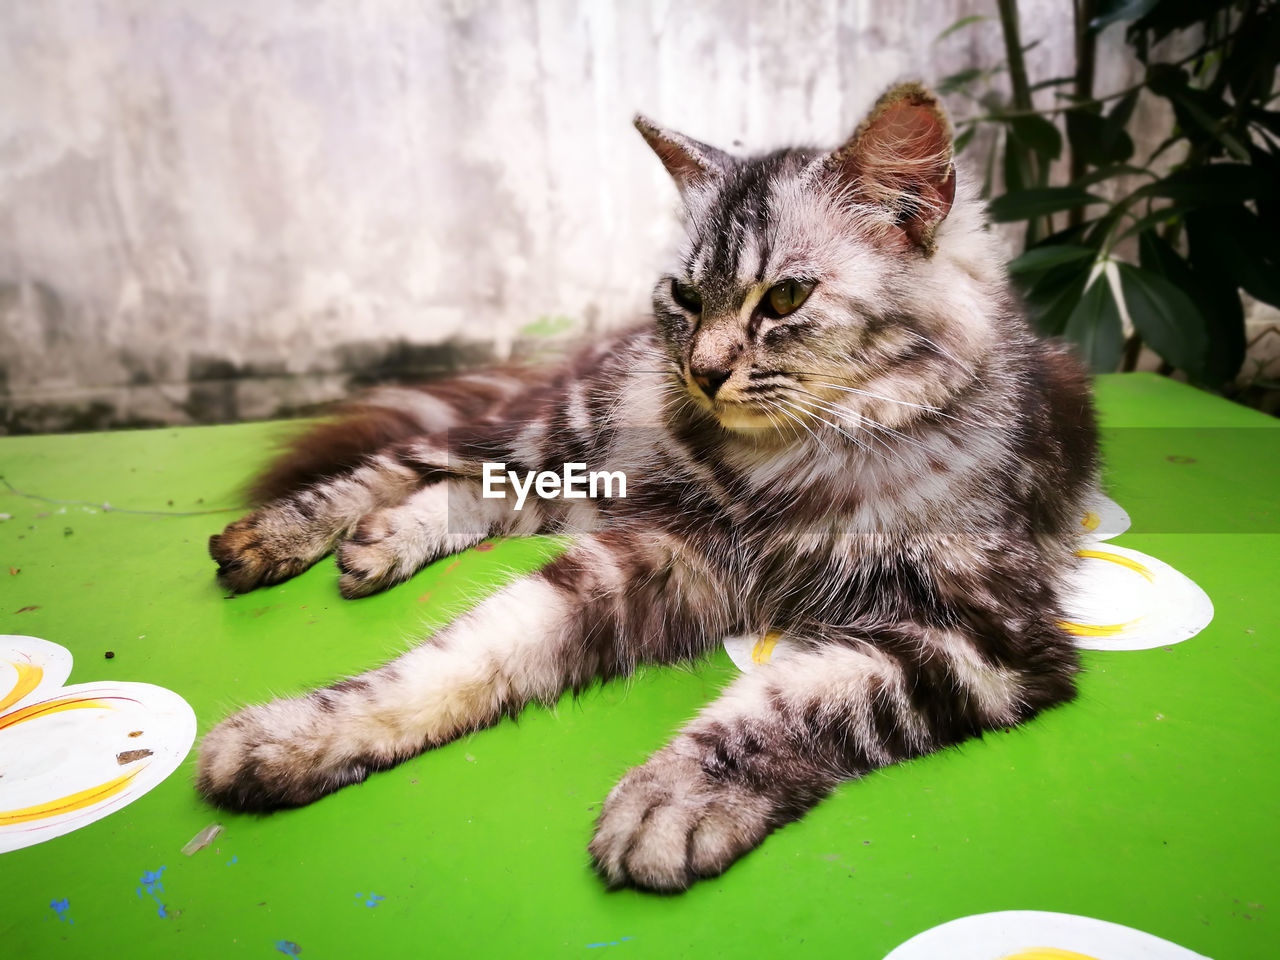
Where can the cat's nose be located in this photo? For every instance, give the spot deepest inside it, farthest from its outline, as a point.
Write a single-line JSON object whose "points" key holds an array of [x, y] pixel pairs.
{"points": [[709, 379]]}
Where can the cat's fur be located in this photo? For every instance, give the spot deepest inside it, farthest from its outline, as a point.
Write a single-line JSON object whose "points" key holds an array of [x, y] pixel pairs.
{"points": [[891, 474]]}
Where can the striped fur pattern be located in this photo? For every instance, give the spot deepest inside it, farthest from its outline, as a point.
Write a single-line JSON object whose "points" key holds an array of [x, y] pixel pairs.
{"points": [[888, 471]]}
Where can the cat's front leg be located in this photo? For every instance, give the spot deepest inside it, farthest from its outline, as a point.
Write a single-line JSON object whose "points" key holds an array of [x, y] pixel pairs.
{"points": [[782, 737], [291, 751], [593, 612], [286, 536], [384, 520], [387, 546]]}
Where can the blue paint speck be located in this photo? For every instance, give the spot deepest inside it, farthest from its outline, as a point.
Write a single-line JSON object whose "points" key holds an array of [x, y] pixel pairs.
{"points": [[373, 900], [233, 859], [61, 907], [609, 943], [150, 882], [288, 947]]}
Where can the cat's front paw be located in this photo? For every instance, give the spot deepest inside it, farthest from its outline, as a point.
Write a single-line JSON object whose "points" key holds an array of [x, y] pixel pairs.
{"points": [[390, 545], [275, 755], [377, 555], [667, 823], [261, 549]]}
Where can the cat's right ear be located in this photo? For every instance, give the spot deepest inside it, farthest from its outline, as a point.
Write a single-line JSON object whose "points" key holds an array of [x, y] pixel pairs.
{"points": [[900, 158], [691, 164]]}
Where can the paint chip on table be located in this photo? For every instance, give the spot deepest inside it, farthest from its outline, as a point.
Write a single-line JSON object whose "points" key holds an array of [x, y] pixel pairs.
{"points": [[202, 839]]}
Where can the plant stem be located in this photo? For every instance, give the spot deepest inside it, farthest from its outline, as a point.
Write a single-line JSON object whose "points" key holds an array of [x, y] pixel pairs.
{"points": [[1013, 53], [1132, 348], [1086, 47], [1020, 88]]}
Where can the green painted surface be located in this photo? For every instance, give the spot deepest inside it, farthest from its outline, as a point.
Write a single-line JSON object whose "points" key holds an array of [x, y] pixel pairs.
{"points": [[1150, 801]]}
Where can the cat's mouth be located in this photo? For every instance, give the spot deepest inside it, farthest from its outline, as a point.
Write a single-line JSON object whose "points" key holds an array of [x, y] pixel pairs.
{"points": [[734, 413], [731, 410]]}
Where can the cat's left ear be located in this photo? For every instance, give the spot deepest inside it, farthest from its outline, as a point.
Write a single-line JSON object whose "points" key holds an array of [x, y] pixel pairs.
{"points": [[900, 157], [690, 163]]}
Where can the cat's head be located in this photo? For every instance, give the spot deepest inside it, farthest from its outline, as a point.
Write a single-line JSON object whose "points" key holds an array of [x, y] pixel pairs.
{"points": [[848, 288]]}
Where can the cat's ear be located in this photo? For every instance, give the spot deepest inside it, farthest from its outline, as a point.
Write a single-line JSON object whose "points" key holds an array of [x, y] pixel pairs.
{"points": [[900, 157], [690, 163]]}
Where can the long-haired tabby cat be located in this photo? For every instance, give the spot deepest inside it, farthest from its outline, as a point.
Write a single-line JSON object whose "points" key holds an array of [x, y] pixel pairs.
{"points": [[837, 426]]}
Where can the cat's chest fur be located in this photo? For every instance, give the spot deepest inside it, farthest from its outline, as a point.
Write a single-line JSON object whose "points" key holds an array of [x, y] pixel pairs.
{"points": [[834, 534]]}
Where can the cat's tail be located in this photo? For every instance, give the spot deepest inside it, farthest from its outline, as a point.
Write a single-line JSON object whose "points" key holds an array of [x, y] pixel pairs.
{"points": [[381, 418]]}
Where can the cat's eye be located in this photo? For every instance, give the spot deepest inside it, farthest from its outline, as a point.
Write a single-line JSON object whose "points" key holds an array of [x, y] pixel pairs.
{"points": [[786, 297], [686, 294]]}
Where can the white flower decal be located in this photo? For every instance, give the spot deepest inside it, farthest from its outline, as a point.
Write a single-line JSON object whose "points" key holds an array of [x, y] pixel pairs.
{"points": [[73, 755]]}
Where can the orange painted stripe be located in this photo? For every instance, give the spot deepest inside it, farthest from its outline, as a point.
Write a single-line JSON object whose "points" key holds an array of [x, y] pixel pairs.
{"points": [[1133, 565], [54, 706], [1095, 629], [29, 677], [74, 801], [762, 652]]}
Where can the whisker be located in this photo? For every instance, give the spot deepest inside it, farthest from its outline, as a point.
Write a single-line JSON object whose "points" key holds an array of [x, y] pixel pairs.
{"points": [[834, 426], [804, 425], [862, 421], [866, 393], [942, 351], [874, 424], [929, 408]]}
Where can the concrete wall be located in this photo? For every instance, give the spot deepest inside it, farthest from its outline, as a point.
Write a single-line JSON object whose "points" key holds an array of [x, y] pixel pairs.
{"points": [[215, 210]]}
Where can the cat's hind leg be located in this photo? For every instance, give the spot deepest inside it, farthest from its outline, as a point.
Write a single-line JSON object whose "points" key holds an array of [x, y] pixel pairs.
{"points": [[780, 738]]}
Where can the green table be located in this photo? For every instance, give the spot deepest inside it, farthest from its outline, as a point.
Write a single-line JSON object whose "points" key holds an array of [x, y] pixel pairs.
{"points": [[1151, 801]]}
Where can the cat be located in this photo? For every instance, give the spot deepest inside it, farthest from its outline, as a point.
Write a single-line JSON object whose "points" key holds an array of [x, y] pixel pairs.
{"points": [[836, 424]]}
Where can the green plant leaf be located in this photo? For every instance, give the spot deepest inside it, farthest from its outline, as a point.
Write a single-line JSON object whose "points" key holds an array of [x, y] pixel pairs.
{"points": [[1114, 140], [1068, 236], [1039, 201], [1051, 82], [1109, 171], [1154, 219], [1203, 116], [1054, 294], [1119, 115], [1166, 318], [1094, 326], [1156, 254], [1210, 283], [963, 138], [1250, 68], [988, 173], [1087, 131], [1213, 126], [960, 25], [1021, 172], [1044, 257], [1215, 297], [1248, 252], [1214, 183], [958, 81], [1267, 119], [1015, 163], [1102, 227], [1111, 11], [1167, 16], [1084, 131], [1039, 134]]}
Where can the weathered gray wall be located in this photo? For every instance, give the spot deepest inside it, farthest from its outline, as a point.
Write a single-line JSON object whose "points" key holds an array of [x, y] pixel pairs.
{"points": [[212, 210]]}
